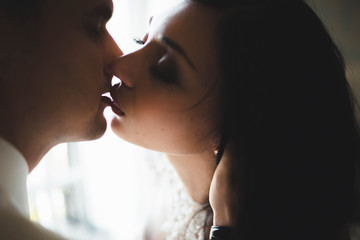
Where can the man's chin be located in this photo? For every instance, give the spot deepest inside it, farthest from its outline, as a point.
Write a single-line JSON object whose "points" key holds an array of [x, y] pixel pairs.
{"points": [[94, 130], [98, 129]]}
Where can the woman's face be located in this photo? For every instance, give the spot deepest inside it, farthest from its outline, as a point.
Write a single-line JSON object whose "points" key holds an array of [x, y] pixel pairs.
{"points": [[169, 100]]}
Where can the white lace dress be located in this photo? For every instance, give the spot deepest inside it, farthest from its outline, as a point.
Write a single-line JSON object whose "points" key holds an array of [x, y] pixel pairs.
{"points": [[185, 219]]}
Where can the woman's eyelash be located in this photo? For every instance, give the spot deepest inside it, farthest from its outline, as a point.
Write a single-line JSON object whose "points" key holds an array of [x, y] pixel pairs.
{"points": [[138, 41]]}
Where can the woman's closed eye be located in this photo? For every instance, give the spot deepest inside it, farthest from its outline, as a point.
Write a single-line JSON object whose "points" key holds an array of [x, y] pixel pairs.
{"points": [[165, 69]]}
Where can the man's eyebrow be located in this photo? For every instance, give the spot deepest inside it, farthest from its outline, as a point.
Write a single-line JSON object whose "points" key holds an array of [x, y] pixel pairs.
{"points": [[167, 41], [103, 10]]}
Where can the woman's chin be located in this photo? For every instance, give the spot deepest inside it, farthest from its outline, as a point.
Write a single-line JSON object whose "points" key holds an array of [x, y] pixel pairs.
{"points": [[117, 127], [119, 130]]}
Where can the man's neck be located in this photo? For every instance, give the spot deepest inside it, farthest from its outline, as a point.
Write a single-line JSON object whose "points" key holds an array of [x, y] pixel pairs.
{"points": [[196, 172], [31, 143]]}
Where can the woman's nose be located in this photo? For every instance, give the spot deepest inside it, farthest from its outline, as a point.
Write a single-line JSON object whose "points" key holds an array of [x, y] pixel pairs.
{"points": [[126, 69]]}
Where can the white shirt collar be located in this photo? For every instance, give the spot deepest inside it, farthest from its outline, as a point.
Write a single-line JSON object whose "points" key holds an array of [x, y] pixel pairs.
{"points": [[13, 176]]}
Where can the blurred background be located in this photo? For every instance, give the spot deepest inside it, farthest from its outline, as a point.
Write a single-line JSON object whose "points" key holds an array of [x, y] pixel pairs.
{"points": [[103, 189], [96, 190]]}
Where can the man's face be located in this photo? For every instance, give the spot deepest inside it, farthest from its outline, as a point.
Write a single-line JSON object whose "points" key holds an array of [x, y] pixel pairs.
{"points": [[63, 70]]}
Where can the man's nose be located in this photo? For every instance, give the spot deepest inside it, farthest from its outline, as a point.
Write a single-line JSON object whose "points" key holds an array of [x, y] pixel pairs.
{"points": [[111, 52]]}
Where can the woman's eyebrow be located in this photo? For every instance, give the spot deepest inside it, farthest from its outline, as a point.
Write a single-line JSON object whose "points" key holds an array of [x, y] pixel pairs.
{"points": [[167, 41]]}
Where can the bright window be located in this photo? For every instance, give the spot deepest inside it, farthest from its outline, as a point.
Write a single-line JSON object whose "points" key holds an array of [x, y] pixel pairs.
{"points": [[100, 189]]}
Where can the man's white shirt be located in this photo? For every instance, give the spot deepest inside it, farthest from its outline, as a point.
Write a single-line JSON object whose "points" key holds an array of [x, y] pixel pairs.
{"points": [[13, 174], [14, 208]]}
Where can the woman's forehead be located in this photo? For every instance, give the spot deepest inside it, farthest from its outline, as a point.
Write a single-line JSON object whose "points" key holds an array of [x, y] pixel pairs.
{"points": [[193, 27]]}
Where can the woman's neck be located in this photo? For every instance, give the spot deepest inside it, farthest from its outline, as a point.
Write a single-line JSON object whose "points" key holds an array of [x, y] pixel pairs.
{"points": [[196, 172]]}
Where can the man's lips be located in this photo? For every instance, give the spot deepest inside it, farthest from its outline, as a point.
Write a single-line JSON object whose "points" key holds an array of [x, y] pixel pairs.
{"points": [[106, 100], [114, 106]]}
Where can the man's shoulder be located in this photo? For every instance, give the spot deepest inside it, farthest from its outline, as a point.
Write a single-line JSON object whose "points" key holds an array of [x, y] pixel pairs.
{"points": [[15, 226]]}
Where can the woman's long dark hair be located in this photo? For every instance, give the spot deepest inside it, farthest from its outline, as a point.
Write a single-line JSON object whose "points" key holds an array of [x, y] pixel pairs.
{"points": [[287, 109]]}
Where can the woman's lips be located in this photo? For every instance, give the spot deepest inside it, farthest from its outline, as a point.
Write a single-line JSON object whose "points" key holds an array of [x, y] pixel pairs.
{"points": [[114, 106], [116, 109]]}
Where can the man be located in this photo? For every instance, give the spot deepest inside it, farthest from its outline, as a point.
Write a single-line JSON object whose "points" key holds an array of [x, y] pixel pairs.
{"points": [[54, 68]]}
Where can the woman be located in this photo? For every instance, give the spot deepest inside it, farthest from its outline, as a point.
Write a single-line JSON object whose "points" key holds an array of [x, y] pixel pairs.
{"points": [[260, 87]]}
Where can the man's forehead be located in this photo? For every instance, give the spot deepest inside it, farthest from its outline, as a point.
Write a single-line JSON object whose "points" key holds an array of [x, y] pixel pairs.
{"points": [[80, 6], [100, 8], [98, 3]]}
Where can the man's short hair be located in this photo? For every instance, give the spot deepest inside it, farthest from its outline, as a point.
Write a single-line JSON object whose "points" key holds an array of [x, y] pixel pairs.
{"points": [[21, 8]]}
